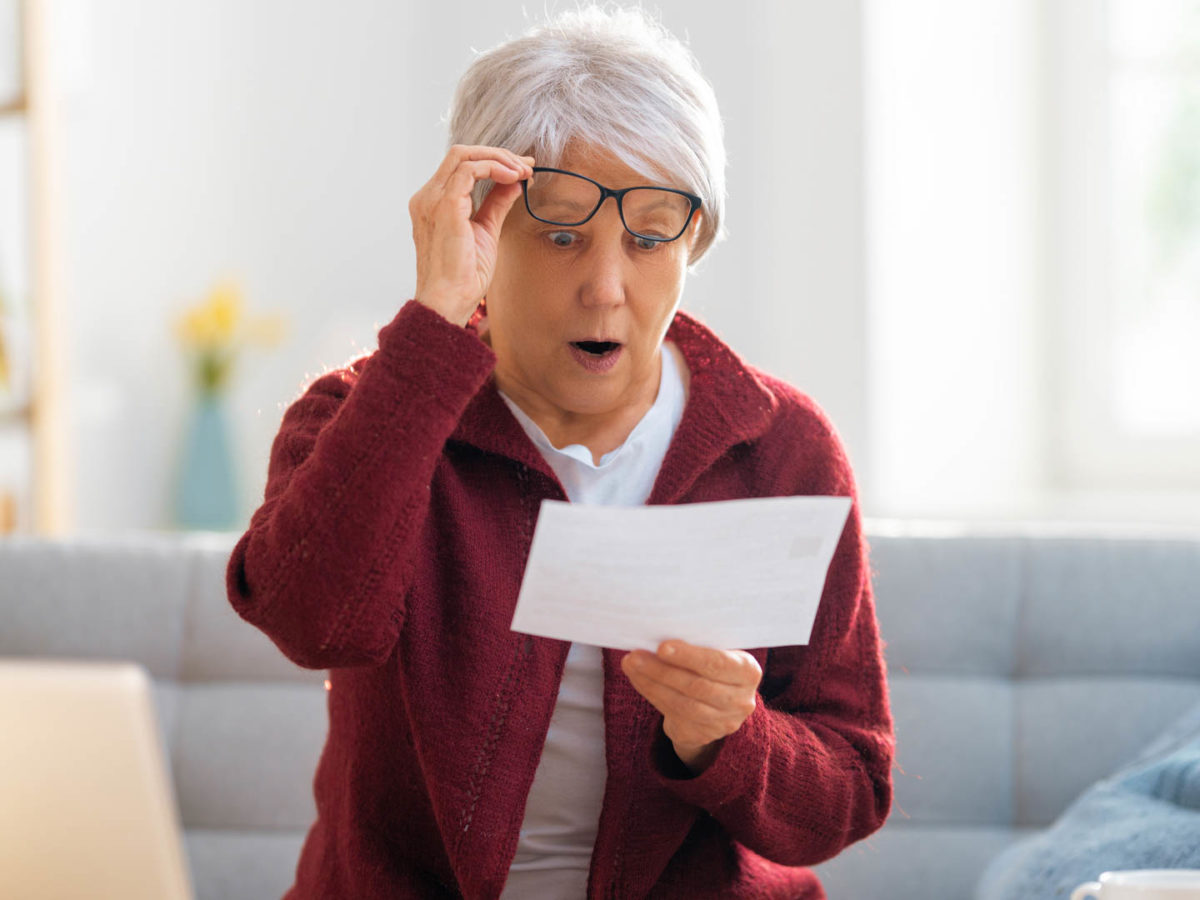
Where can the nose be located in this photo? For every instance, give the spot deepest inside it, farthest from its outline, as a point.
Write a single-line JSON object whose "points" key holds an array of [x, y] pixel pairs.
{"points": [[606, 265]]}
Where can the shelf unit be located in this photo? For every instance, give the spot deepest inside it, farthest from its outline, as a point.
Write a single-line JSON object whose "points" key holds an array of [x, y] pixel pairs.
{"points": [[37, 501]]}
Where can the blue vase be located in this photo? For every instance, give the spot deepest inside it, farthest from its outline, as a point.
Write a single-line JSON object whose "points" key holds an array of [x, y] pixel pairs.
{"points": [[207, 490]]}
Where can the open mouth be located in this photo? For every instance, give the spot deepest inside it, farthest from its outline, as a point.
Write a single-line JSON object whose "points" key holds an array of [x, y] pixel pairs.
{"points": [[596, 348]]}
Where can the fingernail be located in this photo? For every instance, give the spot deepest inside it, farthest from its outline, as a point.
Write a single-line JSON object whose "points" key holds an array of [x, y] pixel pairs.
{"points": [[669, 650]]}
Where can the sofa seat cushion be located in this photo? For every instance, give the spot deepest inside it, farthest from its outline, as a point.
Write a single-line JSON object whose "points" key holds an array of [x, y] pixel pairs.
{"points": [[229, 864], [918, 862]]}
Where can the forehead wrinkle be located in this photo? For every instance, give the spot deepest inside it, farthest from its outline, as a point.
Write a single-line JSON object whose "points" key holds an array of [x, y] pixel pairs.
{"points": [[545, 204], [661, 199]]}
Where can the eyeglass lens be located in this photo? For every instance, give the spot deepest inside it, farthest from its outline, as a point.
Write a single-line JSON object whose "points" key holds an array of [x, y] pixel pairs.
{"points": [[564, 199]]}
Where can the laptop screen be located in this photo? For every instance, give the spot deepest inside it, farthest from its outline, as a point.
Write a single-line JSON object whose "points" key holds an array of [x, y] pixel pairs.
{"points": [[88, 805]]}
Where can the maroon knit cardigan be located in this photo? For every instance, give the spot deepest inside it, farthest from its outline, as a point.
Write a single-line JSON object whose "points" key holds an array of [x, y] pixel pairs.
{"points": [[400, 504]]}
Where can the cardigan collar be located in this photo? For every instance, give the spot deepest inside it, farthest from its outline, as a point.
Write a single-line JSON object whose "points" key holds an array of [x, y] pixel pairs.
{"points": [[727, 404]]}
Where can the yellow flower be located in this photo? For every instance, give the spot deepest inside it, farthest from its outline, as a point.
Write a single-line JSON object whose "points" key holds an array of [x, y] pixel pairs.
{"points": [[214, 330], [225, 308], [215, 321], [193, 328]]}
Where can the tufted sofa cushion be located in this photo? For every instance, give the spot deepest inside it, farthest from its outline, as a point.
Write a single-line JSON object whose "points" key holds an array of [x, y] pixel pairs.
{"points": [[1011, 650]]}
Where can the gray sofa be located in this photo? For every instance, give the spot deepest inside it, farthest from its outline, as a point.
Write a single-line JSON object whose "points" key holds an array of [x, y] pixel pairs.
{"points": [[1010, 650]]}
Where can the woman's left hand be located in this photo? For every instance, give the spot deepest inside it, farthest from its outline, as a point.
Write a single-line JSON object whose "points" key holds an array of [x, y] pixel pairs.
{"points": [[704, 694]]}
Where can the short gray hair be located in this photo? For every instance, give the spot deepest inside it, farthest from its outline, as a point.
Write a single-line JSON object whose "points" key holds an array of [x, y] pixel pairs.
{"points": [[614, 79]]}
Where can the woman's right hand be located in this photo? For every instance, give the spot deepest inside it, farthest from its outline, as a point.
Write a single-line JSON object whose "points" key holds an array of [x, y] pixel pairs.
{"points": [[456, 253]]}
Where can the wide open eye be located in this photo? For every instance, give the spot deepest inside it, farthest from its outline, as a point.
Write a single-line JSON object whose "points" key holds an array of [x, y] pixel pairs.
{"points": [[561, 238]]}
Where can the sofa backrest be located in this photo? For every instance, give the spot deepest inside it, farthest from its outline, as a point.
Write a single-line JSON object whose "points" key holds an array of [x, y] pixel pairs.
{"points": [[1024, 663]]}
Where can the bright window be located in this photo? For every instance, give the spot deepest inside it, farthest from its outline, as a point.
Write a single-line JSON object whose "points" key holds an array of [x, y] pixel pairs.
{"points": [[1154, 128], [1124, 200]]}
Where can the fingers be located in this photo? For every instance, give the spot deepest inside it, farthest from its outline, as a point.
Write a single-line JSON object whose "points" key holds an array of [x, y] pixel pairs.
{"points": [[695, 712], [496, 205], [462, 166], [736, 667], [456, 252], [704, 694], [681, 707], [678, 686], [466, 153], [463, 178], [454, 191]]}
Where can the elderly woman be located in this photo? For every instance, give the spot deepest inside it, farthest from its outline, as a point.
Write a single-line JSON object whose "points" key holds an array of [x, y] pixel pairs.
{"points": [[544, 356]]}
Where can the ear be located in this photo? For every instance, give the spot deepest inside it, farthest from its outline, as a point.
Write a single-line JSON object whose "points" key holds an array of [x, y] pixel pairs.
{"points": [[482, 328]]}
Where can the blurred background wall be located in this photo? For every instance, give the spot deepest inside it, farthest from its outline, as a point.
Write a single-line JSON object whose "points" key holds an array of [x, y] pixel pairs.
{"points": [[935, 228]]}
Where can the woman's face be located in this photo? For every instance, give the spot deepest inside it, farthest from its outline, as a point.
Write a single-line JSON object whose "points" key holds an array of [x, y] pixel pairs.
{"points": [[554, 286]]}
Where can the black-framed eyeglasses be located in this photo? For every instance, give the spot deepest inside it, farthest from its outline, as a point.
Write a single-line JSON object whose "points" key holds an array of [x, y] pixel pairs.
{"points": [[559, 197]]}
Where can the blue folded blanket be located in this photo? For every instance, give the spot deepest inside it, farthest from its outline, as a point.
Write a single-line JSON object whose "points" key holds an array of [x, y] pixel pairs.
{"points": [[1144, 816]]}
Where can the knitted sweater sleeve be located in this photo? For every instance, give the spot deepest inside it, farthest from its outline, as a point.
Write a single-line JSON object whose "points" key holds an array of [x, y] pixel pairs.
{"points": [[809, 772], [323, 567]]}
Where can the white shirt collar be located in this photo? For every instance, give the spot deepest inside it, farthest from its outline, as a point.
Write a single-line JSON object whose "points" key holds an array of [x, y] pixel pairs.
{"points": [[668, 402]]}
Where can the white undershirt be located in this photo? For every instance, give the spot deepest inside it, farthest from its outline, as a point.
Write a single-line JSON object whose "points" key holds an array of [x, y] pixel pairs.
{"points": [[563, 808]]}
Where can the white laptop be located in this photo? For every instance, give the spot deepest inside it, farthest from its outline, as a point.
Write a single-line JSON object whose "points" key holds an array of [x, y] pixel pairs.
{"points": [[87, 808]]}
